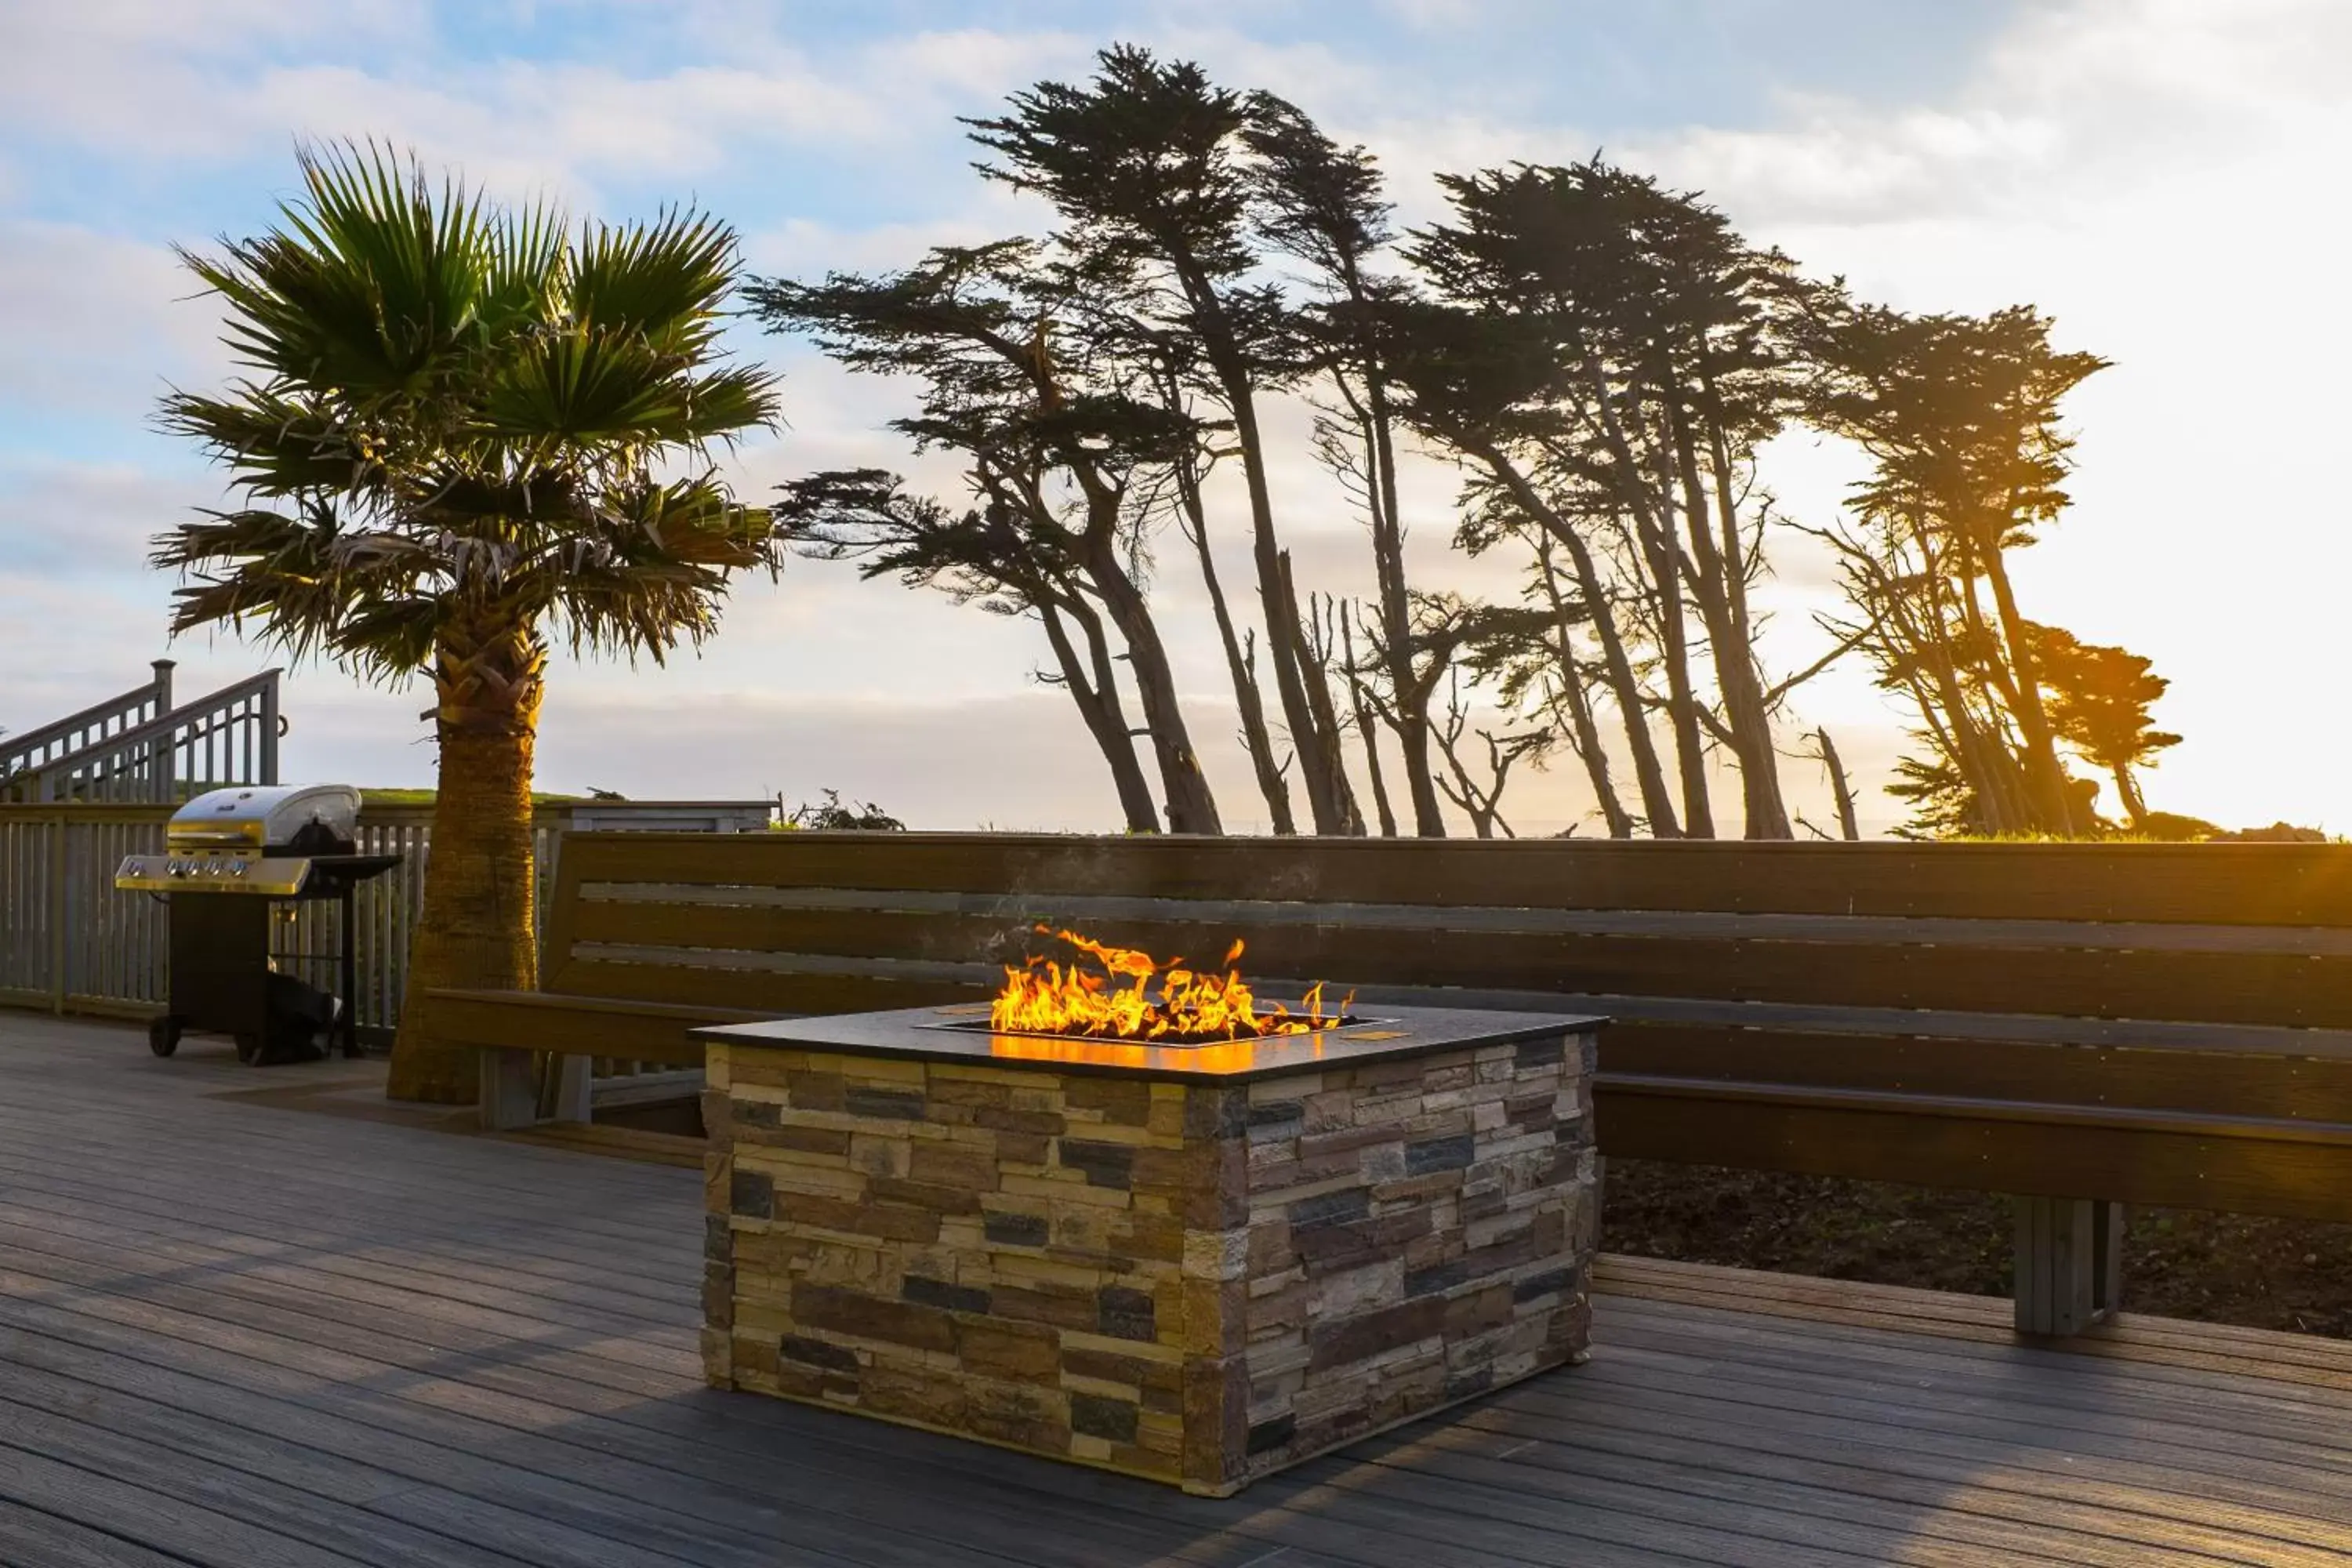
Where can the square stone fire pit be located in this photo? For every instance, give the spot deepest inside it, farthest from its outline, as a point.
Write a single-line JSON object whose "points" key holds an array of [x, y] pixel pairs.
{"points": [[1196, 1264]]}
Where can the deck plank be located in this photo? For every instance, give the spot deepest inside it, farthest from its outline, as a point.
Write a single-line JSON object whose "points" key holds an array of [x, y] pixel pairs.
{"points": [[251, 1318]]}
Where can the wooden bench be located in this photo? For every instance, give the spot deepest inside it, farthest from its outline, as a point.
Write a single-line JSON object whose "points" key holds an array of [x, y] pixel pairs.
{"points": [[2080, 1026]]}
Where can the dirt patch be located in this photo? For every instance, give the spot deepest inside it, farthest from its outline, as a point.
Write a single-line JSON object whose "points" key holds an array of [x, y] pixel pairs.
{"points": [[2177, 1263]]}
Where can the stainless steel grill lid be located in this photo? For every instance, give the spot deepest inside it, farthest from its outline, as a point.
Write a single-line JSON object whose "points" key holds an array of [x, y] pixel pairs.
{"points": [[264, 816], [250, 840]]}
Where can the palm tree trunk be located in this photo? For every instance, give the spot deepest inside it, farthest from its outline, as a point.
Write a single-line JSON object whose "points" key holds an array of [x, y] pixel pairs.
{"points": [[477, 930]]}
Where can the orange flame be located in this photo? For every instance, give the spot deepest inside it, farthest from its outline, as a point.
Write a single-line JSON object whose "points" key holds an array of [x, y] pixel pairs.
{"points": [[1116, 998]]}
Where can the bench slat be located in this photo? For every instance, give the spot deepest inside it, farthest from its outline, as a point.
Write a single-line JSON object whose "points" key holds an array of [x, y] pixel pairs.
{"points": [[2204, 987], [1257, 915], [767, 991], [2255, 884], [578, 1025], [1963, 1144], [2295, 1090]]}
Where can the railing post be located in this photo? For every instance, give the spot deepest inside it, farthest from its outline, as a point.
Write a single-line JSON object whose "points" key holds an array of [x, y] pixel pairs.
{"points": [[269, 730], [58, 908], [158, 760], [2069, 1263]]}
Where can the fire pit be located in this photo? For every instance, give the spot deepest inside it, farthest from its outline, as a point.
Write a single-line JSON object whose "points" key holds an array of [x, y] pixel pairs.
{"points": [[1170, 1229]]}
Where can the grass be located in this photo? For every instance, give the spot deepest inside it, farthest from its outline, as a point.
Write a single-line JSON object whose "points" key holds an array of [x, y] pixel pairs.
{"points": [[424, 797]]}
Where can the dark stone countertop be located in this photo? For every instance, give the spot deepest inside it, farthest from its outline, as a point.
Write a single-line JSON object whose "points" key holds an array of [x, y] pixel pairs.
{"points": [[1380, 1034]]}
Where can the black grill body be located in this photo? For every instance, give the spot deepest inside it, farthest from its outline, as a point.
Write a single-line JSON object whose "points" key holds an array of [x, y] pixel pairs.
{"points": [[238, 863]]}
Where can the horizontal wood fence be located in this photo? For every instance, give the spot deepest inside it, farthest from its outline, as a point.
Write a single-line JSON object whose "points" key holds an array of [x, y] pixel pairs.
{"points": [[70, 942]]}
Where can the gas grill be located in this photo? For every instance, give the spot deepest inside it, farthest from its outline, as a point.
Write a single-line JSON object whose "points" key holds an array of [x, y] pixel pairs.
{"points": [[233, 862]]}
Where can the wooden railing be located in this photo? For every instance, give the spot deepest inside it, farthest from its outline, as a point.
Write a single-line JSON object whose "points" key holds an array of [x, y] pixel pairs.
{"points": [[70, 942], [228, 737], [93, 726]]}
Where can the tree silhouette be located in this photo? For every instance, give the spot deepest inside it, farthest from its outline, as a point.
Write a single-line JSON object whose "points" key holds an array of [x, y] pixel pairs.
{"points": [[1060, 436], [1478, 385], [1604, 358], [1323, 205], [1145, 166], [996, 557], [1675, 357], [1960, 416], [2099, 701]]}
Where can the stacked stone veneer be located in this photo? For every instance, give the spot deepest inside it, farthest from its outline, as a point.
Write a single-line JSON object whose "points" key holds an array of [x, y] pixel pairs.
{"points": [[1195, 1282]]}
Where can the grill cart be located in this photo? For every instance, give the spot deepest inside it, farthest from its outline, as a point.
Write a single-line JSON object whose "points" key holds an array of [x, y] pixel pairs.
{"points": [[234, 863]]}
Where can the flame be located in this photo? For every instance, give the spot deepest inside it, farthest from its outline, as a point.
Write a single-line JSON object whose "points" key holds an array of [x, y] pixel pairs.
{"points": [[1114, 996]]}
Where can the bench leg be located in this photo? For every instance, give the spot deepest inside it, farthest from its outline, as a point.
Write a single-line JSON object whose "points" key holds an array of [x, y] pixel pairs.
{"points": [[509, 1098], [568, 1081], [2069, 1263]]}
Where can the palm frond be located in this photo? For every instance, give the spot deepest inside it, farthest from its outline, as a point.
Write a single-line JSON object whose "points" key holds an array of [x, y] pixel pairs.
{"points": [[605, 386], [527, 263], [665, 280], [279, 445]]}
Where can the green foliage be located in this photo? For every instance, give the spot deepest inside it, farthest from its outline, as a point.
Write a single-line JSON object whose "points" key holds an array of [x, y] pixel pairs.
{"points": [[457, 413], [405, 797], [832, 813], [1959, 413], [1961, 417], [2099, 701], [1142, 160]]}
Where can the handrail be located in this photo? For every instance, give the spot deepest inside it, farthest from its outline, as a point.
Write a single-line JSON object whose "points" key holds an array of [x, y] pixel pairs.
{"points": [[137, 752], [140, 704]]}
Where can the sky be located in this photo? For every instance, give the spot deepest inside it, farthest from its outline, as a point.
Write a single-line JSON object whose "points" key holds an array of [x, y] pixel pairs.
{"points": [[2157, 175]]}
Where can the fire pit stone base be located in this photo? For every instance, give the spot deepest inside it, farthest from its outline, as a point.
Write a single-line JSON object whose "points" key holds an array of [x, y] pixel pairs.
{"points": [[1195, 1281]]}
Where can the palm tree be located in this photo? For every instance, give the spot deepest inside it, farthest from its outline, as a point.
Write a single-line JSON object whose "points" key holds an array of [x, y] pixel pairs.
{"points": [[467, 431]]}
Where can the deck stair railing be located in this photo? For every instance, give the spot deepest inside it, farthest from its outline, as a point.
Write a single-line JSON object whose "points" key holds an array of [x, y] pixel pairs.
{"points": [[142, 749], [93, 726]]}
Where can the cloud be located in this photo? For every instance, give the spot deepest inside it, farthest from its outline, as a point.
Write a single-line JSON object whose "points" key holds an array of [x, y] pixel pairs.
{"points": [[808, 247], [168, 77], [2086, 101], [197, 82], [96, 324], [60, 521]]}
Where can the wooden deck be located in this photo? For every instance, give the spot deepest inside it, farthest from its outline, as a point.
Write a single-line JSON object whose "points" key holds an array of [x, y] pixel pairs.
{"points": [[251, 1318]]}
